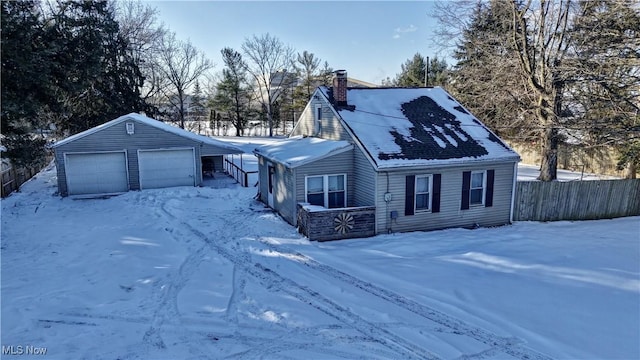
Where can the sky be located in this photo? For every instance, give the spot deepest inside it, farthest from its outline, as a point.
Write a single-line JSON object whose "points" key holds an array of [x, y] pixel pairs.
{"points": [[369, 39]]}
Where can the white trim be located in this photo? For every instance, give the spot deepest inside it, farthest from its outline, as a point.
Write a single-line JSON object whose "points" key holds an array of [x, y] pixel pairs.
{"points": [[484, 187], [325, 188], [513, 191], [415, 194], [193, 152]]}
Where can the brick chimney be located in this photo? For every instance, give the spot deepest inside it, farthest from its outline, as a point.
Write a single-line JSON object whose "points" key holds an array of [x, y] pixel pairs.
{"points": [[340, 88]]}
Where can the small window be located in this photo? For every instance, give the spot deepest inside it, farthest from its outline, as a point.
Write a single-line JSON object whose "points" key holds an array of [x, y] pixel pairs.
{"points": [[130, 128], [336, 191], [315, 190], [423, 190], [327, 190], [476, 192], [318, 112]]}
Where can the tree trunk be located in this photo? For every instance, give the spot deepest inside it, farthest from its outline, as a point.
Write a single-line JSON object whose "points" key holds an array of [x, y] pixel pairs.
{"points": [[631, 170], [549, 166]]}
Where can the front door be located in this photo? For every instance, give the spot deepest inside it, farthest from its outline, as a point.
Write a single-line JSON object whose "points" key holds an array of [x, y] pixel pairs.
{"points": [[272, 173]]}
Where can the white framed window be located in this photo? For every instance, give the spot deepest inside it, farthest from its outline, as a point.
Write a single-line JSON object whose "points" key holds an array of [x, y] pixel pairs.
{"points": [[478, 186], [318, 112], [329, 191], [423, 192]]}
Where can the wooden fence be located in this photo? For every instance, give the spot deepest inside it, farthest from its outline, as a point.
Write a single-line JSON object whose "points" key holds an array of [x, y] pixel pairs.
{"points": [[13, 177], [576, 200]]}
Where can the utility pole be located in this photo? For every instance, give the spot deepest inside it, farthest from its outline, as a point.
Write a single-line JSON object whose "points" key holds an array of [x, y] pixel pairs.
{"points": [[426, 74]]}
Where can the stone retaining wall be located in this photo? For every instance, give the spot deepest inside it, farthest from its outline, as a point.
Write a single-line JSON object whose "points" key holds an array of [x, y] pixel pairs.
{"points": [[332, 224]]}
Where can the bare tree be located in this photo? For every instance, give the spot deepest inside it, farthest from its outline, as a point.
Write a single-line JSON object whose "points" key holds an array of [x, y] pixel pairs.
{"points": [[138, 23], [541, 38], [269, 60], [181, 64]]}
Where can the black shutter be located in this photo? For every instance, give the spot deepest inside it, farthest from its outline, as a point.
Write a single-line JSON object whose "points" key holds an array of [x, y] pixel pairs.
{"points": [[410, 191], [466, 187], [435, 199], [488, 199]]}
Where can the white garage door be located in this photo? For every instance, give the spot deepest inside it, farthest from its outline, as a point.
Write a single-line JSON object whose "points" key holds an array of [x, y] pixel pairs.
{"points": [[166, 168], [96, 173]]}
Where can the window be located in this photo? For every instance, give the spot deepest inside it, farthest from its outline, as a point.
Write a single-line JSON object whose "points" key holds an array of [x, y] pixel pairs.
{"points": [[318, 112], [423, 191], [315, 190], [327, 190], [422, 194], [477, 188], [476, 191]]}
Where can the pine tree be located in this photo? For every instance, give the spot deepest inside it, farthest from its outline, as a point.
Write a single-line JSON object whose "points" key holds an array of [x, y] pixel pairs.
{"points": [[605, 76], [487, 76], [233, 92], [25, 81], [95, 75], [414, 72]]}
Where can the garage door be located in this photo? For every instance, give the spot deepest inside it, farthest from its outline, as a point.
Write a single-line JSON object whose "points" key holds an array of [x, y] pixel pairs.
{"points": [[166, 168], [96, 173]]}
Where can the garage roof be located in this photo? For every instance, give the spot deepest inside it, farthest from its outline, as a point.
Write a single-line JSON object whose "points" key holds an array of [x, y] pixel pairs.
{"points": [[155, 123]]}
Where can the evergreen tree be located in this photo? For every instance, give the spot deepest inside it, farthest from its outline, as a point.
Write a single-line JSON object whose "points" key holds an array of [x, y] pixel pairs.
{"points": [[414, 71], [25, 81], [197, 109], [233, 92], [486, 77], [605, 76], [95, 75]]}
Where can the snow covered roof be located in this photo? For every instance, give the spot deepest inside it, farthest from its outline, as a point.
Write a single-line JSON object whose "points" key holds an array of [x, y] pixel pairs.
{"points": [[417, 127], [297, 151], [155, 123]]}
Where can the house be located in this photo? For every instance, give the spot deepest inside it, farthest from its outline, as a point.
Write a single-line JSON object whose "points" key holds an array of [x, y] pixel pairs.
{"points": [[417, 160], [135, 152]]}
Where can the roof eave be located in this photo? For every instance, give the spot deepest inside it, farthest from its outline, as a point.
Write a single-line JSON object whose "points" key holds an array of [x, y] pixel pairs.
{"points": [[449, 163], [297, 164]]}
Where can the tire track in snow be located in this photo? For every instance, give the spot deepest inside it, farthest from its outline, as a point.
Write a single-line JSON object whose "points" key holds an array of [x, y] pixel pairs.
{"points": [[168, 295], [275, 282], [505, 345]]}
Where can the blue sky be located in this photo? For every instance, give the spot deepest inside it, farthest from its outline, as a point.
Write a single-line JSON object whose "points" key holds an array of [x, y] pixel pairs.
{"points": [[369, 39]]}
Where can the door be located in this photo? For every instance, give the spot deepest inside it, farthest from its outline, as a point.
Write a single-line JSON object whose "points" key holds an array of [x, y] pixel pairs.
{"points": [[166, 168], [272, 173], [96, 173]]}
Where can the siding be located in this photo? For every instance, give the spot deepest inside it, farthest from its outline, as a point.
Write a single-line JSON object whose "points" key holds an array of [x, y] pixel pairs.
{"points": [[365, 179], [330, 127], [450, 214], [283, 194], [338, 164], [145, 137]]}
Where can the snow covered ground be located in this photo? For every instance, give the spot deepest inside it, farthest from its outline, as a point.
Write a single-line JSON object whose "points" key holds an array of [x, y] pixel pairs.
{"points": [[199, 273]]}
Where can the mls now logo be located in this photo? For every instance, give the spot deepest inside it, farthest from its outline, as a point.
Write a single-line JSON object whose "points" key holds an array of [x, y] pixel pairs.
{"points": [[23, 350]]}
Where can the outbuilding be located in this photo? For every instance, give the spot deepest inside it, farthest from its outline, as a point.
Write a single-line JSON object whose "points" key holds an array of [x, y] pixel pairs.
{"points": [[135, 152]]}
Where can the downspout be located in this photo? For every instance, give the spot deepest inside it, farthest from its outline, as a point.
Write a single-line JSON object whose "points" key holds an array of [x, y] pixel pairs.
{"points": [[513, 191], [294, 196], [387, 214]]}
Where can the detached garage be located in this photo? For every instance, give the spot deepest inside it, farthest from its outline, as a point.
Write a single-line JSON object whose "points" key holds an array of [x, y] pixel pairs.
{"points": [[135, 152]]}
